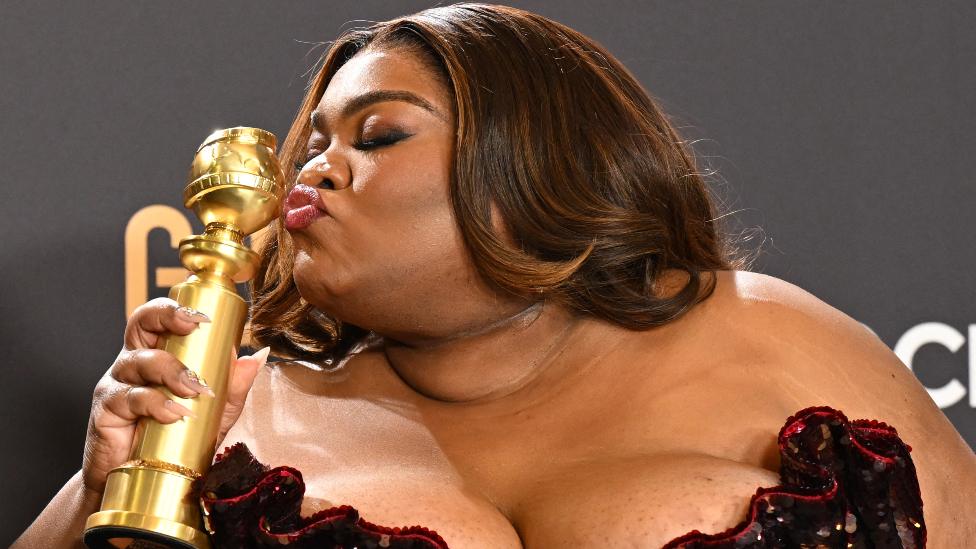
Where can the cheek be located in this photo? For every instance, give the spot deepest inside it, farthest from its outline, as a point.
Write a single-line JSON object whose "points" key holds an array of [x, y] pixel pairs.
{"points": [[394, 228], [405, 203], [422, 253], [418, 235]]}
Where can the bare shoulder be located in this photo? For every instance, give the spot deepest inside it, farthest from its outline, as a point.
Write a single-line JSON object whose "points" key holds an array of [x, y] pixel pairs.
{"points": [[817, 355], [760, 349], [823, 354]]}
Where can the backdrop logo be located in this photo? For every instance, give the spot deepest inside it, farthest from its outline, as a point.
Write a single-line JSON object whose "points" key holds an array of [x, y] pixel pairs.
{"points": [[137, 277], [938, 333], [156, 216]]}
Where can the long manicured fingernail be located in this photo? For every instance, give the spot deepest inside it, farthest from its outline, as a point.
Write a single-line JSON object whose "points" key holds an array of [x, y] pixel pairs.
{"points": [[178, 408], [262, 356], [192, 315], [193, 382]]}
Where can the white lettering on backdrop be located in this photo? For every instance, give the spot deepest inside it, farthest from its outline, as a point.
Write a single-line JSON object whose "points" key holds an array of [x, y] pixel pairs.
{"points": [[937, 333]]}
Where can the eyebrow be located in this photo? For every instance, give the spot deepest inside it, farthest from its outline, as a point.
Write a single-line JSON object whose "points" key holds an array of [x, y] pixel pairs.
{"points": [[362, 101]]}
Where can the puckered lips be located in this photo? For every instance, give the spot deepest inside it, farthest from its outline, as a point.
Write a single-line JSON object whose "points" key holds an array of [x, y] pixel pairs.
{"points": [[303, 206]]}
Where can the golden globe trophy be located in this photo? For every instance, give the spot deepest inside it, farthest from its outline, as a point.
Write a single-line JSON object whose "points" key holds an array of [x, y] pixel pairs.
{"points": [[235, 187]]}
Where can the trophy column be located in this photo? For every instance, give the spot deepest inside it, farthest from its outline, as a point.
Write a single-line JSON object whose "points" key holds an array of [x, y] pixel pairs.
{"points": [[235, 187]]}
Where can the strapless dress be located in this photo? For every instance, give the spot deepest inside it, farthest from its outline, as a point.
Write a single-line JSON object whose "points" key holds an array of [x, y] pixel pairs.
{"points": [[844, 484]]}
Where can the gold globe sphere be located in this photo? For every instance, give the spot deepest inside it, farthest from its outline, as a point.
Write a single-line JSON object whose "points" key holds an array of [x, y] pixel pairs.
{"points": [[235, 187], [235, 179]]}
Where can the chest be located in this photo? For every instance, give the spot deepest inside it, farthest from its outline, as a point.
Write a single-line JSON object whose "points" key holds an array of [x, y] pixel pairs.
{"points": [[623, 502], [542, 477]]}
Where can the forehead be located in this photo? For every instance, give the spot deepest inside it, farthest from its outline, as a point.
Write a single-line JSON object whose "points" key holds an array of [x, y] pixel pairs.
{"points": [[374, 70]]}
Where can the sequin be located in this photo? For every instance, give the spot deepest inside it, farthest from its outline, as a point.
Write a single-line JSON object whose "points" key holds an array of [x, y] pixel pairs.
{"points": [[832, 472], [751, 535], [256, 507]]}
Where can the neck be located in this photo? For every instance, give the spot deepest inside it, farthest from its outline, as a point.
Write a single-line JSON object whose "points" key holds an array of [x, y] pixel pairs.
{"points": [[486, 362]]}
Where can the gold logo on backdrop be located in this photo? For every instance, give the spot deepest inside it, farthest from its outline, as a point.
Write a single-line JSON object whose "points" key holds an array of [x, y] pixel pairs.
{"points": [[156, 216], [176, 224]]}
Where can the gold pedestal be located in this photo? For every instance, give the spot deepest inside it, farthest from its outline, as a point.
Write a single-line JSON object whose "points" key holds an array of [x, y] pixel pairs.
{"points": [[148, 495]]}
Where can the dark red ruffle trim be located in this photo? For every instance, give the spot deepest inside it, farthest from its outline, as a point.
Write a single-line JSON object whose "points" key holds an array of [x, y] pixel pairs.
{"points": [[247, 505], [844, 484]]}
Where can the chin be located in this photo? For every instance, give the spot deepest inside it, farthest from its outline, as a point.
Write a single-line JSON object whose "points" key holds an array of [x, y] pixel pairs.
{"points": [[320, 283]]}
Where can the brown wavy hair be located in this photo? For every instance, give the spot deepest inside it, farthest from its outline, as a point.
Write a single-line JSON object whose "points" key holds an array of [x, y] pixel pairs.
{"points": [[593, 184]]}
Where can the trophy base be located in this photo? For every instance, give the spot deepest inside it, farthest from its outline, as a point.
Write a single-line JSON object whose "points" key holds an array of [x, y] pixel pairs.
{"points": [[146, 508], [122, 537]]}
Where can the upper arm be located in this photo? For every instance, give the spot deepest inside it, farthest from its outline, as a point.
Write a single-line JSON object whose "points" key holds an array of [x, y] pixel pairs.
{"points": [[831, 359]]}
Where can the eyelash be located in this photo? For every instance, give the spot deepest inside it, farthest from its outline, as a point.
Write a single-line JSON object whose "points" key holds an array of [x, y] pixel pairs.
{"points": [[367, 146], [384, 140]]}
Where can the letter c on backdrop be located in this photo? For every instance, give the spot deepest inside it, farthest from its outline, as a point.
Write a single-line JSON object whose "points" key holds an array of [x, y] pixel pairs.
{"points": [[942, 334]]}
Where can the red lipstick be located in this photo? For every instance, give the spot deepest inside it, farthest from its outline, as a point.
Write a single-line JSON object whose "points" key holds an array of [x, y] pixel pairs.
{"points": [[302, 207]]}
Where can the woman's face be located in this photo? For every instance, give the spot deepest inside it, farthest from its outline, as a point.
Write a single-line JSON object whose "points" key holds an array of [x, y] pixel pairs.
{"points": [[387, 253]]}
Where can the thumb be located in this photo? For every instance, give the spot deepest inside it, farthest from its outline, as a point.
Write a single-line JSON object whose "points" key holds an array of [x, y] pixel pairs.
{"points": [[242, 376]]}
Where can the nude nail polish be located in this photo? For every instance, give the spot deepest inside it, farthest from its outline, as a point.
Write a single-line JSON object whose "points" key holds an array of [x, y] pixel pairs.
{"points": [[192, 315], [262, 356], [192, 381], [178, 408]]}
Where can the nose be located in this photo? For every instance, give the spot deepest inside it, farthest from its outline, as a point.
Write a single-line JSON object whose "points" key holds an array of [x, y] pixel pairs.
{"points": [[325, 171]]}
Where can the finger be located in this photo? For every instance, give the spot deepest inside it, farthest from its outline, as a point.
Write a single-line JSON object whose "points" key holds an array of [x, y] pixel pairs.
{"points": [[159, 317], [133, 403], [157, 367], [243, 373]]}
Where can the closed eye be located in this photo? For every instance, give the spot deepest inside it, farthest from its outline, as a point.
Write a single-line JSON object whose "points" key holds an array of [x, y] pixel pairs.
{"points": [[364, 145], [380, 141]]}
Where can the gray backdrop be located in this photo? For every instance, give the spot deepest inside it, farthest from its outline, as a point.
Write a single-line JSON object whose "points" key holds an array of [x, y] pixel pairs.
{"points": [[840, 129]]}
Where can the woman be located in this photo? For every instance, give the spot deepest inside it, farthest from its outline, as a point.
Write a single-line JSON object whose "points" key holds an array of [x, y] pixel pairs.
{"points": [[517, 322]]}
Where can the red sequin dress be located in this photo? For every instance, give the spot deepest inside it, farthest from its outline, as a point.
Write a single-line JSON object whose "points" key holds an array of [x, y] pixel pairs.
{"points": [[845, 484]]}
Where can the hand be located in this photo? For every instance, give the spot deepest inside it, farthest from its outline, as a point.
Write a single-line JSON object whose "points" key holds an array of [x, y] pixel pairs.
{"points": [[126, 392]]}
